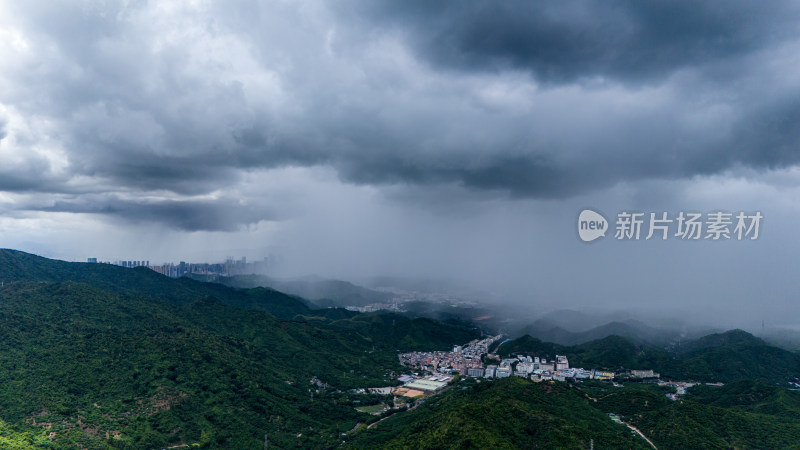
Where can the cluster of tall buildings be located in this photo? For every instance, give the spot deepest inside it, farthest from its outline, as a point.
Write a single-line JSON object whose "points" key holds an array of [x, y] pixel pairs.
{"points": [[229, 268], [129, 264], [132, 264]]}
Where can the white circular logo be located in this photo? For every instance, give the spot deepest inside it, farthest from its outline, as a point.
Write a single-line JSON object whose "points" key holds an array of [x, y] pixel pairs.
{"points": [[591, 225]]}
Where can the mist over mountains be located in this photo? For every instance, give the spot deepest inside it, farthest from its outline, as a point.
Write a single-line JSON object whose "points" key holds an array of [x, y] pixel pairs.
{"points": [[114, 357], [429, 298], [611, 183]]}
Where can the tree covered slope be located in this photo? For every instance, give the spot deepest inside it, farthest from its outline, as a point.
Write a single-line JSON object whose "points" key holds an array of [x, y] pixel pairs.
{"points": [[98, 356]]}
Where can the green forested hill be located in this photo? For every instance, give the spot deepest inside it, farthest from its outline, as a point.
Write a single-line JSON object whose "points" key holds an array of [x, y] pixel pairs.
{"points": [[18, 266], [726, 357], [751, 396], [687, 424], [517, 413], [695, 421], [95, 356], [392, 330], [509, 413], [409, 334], [83, 362]]}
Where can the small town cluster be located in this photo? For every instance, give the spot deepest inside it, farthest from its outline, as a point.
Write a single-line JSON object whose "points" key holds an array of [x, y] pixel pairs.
{"points": [[467, 360]]}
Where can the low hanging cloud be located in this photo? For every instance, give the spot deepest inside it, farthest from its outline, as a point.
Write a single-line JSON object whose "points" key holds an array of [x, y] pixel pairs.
{"points": [[222, 214], [515, 99]]}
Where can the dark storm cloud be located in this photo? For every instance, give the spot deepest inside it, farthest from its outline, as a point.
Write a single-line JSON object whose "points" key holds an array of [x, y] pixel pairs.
{"points": [[516, 99], [224, 214], [31, 174], [771, 136], [524, 176], [567, 41], [29, 179]]}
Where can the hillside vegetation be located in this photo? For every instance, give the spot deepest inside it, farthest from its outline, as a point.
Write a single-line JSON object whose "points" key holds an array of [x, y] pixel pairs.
{"points": [[518, 413], [726, 357], [508, 413], [98, 356]]}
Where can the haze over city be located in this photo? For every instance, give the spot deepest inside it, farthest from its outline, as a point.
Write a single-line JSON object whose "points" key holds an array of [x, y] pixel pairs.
{"points": [[413, 139]]}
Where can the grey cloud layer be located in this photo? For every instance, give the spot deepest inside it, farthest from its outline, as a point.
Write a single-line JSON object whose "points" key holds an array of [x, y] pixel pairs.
{"points": [[224, 214], [521, 99], [560, 42]]}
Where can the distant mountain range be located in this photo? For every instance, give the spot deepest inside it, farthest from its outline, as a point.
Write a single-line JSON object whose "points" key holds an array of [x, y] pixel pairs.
{"points": [[565, 327], [568, 327], [323, 293], [729, 356], [100, 356], [629, 328]]}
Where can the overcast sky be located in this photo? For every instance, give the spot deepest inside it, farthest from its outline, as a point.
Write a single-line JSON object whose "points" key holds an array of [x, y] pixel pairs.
{"points": [[438, 139]]}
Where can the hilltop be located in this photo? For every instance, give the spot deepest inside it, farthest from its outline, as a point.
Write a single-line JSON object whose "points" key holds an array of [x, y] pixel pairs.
{"points": [[508, 413], [320, 292], [729, 356], [105, 356]]}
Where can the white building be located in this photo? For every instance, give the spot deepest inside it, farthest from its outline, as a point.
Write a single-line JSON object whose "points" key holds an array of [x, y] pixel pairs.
{"points": [[502, 372]]}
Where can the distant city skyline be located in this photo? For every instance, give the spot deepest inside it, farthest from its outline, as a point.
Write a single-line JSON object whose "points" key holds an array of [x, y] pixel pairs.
{"points": [[230, 267], [446, 140]]}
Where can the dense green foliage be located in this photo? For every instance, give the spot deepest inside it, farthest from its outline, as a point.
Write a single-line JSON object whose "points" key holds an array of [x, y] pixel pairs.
{"points": [[18, 266], [410, 334], [12, 439], [736, 355], [516, 413], [751, 396], [102, 356], [725, 357], [633, 399], [687, 424], [700, 420], [509, 413], [97, 356], [92, 365]]}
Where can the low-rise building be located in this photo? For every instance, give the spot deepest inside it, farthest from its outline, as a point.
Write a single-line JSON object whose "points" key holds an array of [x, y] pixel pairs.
{"points": [[475, 372], [550, 367], [602, 375], [561, 362], [644, 374]]}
